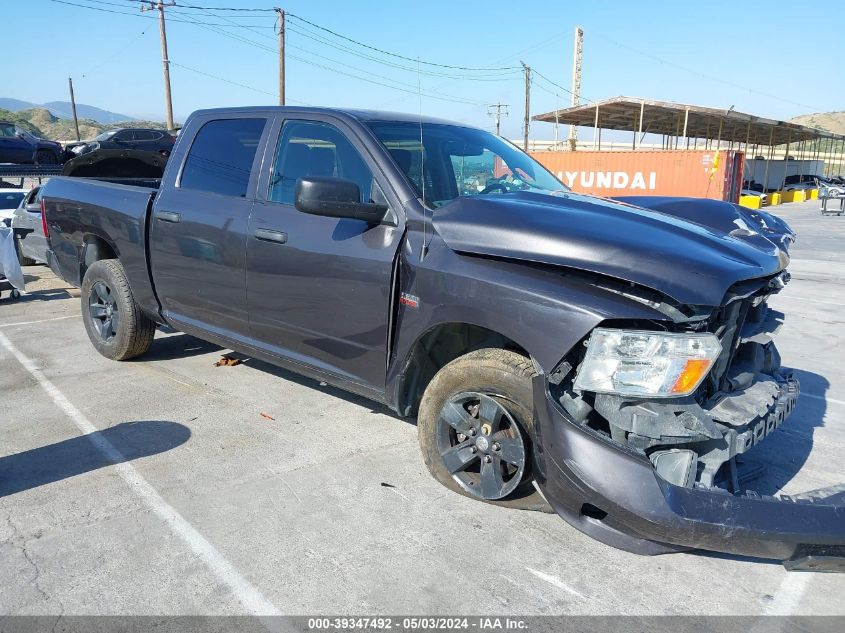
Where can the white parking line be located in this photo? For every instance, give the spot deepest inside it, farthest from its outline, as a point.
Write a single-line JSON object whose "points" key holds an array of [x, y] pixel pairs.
{"points": [[557, 582], [822, 398], [789, 594], [70, 316], [252, 600]]}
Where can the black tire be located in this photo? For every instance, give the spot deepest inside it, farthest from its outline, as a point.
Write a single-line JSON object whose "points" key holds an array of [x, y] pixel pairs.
{"points": [[23, 259], [45, 157], [114, 322], [503, 376]]}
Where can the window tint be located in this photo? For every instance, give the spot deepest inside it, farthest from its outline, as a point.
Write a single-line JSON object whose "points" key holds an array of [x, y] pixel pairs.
{"points": [[7, 130], [144, 135], [315, 149], [220, 159]]}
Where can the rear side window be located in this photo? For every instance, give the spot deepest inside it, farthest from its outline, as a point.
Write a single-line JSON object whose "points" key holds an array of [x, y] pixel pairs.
{"points": [[221, 156]]}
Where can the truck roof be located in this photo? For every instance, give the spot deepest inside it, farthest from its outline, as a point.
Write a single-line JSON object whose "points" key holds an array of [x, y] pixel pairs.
{"points": [[360, 115]]}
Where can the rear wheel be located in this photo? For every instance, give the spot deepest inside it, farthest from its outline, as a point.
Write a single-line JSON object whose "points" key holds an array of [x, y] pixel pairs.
{"points": [[23, 259], [113, 320], [475, 427]]}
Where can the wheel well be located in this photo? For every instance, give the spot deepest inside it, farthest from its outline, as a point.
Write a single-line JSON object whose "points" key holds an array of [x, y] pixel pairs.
{"points": [[96, 248], [439, 346]]}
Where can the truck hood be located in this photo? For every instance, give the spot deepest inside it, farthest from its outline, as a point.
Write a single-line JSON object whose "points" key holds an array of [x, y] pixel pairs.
{"points": [[686, 261]]}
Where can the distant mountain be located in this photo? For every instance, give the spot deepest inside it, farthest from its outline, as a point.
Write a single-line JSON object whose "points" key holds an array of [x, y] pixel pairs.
{"points": [[13, 105], [830, 121], [63, 110]]}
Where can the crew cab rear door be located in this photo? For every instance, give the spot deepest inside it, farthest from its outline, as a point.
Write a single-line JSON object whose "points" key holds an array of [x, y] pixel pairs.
{"points": [[319, 288], [199, 224]]}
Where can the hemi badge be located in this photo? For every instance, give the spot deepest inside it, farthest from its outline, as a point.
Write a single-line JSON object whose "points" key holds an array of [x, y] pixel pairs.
{"points": [[409, 300]]}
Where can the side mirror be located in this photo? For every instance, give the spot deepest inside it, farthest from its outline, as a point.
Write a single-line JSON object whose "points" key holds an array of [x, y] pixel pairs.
{"points": [[335, 198]]}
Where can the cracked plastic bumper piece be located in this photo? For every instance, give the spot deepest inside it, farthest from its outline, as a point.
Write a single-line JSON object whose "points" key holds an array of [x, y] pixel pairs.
{"points": [[614, 495]]}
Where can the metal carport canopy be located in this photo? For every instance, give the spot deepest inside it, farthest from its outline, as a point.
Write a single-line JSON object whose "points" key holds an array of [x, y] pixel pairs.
{"points": [[680, 119]]}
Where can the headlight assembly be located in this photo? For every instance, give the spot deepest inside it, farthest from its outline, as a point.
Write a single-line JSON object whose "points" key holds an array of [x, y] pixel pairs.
{"points": [[643, 363]]}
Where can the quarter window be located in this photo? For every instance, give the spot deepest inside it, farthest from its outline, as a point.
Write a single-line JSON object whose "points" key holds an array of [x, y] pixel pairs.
{"points": [[308, 148], [221, 156]]}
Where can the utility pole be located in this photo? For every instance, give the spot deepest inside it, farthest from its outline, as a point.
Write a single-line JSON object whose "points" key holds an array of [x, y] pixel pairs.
{"points": [[73, 108], [577, 55], [281, 55], [165, 60], [497, 114], [527, 70]]}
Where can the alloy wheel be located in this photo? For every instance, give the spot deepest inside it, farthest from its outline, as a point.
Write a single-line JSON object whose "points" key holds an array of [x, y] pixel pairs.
{"points": [[481, 445], [102, 307]]}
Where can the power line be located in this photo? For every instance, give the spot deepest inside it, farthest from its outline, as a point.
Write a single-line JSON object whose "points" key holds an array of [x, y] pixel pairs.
{"points": [[229, 81], [384, 52], [93, 8], [432, 73], [705, 75], [406, 87]]}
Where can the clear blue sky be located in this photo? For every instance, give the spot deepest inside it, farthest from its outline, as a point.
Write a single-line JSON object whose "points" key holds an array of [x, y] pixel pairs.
{"points": [[644, 48]]}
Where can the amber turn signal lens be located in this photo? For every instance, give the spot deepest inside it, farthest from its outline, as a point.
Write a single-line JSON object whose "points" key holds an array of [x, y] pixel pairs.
{"points": [[693, 372]]}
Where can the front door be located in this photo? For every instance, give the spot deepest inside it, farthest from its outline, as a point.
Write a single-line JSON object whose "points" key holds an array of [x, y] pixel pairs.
{"points": [[319, 288], [199, 224], [14, 149]]}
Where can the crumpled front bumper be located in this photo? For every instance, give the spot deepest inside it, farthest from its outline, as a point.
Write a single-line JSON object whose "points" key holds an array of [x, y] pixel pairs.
{"points": [[614, 495]]}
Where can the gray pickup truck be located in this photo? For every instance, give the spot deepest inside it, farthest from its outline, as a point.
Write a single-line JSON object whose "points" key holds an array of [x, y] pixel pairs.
{"points": [[607, 359]]}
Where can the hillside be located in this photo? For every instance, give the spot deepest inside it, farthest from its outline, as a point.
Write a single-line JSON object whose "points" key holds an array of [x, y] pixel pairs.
{"points": [[830, 121], [62, 109], [43, 123]]}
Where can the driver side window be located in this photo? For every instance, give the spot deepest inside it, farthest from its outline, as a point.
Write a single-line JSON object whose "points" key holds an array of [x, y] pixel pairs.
{"points": [[309, 148]]}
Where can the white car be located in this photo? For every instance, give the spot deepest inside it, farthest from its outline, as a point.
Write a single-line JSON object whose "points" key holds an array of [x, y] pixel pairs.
{"points": [[9, 201], [32, 247]]}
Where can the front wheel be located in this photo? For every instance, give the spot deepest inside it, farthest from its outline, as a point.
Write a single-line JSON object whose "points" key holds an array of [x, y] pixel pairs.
{"points": [[45, 157], [113, 320], [475, 428]]}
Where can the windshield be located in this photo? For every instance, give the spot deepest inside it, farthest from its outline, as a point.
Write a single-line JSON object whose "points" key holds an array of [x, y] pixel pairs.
{"points": [[454, 161], [105, 135], [11, 199]]}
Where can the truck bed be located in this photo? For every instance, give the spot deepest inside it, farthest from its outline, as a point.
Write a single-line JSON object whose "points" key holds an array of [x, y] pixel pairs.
{"points": [[85, 216]]}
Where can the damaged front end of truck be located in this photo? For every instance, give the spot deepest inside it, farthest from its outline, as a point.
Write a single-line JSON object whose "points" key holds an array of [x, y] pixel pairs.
{"points": [[642, 425], [648, 423]]}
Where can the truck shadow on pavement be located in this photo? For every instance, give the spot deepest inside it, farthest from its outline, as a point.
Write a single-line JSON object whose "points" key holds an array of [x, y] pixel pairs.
{"points": [[180, 345], [85, 453], [783, 454]]}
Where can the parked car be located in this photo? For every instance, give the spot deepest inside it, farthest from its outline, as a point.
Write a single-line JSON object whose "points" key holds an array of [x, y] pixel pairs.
{"points": [[764, 198], [46, 152], [148, 140], [617, 356], [31, 243], [830, 189], [800, 182], [9, 201], [14, 148]]}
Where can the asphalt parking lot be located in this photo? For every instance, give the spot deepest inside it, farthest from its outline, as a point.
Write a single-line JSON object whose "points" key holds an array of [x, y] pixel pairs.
{"points": [[248, 489]]}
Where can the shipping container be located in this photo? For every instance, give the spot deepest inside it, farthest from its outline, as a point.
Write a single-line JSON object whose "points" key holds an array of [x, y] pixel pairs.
{"points": [[649, 173]]}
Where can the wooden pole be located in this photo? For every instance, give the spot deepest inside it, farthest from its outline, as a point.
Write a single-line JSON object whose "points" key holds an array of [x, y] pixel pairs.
{"points": [[165, 61], [281, 56], [73, 108]]}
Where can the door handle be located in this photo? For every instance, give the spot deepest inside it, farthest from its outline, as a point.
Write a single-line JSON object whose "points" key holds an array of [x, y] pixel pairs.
{"points": [[168, 216], [269, 235]]}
